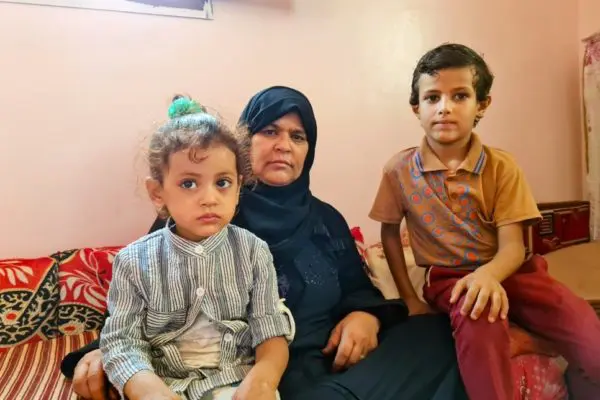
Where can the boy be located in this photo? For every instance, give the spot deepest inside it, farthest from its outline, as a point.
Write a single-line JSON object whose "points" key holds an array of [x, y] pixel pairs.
{"points": [[466, 205]]}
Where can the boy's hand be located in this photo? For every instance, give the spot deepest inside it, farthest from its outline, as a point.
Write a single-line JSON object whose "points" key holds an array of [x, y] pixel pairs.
{"points": [[417, 307], [481, 287]]}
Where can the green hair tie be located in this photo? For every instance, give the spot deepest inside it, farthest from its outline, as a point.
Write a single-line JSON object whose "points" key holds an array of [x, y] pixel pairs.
{"points": [[185, 106]]}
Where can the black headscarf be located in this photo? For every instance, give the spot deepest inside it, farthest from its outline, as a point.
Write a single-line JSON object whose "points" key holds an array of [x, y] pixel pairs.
{"points": [[276, 213]]}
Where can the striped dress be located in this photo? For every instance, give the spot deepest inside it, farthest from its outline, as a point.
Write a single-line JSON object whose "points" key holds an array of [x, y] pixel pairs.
{"points": [[162, 283]]}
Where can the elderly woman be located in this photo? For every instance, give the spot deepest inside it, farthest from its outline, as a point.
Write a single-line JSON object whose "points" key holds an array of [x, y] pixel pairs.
{"points": [[350, 343]]}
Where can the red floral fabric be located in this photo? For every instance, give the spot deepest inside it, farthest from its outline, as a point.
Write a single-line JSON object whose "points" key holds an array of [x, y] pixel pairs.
{"points": [[62, 294], [592, 50], [28, 300], [83, 279], [359, 240]]}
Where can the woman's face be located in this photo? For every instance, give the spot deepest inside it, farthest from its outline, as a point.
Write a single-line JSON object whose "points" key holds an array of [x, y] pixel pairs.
{"points": [[279, 150]]}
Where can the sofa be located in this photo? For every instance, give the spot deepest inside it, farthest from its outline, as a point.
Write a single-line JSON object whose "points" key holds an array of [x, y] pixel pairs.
{"points": [[54, 304], [49, 306]]}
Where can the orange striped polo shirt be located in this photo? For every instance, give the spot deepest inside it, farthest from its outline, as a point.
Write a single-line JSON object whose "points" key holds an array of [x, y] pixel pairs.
{"points": [[452, 218]]}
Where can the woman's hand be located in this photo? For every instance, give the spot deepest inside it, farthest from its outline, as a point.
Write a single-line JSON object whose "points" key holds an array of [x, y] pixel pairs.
{"points": [[89, 379], [354, 337]]}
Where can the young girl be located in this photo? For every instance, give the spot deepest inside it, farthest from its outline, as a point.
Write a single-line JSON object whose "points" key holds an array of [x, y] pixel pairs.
{"points": [[193, 306]]}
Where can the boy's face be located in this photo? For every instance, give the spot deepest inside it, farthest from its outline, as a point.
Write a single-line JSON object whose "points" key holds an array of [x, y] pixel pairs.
{"points": [[448, 105], [200, 196]]}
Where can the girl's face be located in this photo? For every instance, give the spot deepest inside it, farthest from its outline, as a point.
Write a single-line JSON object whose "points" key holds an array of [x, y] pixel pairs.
{"points": [[200, 190], [279, 150]]}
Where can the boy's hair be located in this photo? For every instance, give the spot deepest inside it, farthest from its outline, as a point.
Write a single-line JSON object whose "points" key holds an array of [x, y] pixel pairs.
{"points": [[191, 127], [452, 55]]}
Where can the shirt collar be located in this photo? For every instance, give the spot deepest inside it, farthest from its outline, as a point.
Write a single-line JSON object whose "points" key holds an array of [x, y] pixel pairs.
{"points": [[191, 248], [427, 161]]}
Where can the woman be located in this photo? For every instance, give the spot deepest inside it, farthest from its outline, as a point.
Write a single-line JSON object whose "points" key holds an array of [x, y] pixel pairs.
{"points": [[350, 343]]}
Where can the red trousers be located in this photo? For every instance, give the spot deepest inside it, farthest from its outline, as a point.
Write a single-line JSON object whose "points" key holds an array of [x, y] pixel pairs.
{"points": [[537, 303]]}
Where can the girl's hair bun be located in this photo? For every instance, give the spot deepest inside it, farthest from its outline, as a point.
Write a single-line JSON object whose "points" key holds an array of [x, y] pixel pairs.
{"points": [[183, 105]]}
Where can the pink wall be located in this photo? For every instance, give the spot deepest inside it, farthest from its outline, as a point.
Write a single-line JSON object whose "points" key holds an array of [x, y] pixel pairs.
{"points": [[80, 90], [589, 17]]}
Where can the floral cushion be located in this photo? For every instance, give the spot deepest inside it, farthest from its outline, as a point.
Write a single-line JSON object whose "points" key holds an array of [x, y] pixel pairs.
{"points": [[84, 276], [381, 275], [359, 239], [64, 293], [28, 300]]}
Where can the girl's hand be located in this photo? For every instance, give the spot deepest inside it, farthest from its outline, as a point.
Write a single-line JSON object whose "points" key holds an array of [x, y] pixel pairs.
{"points": [[254, 388], [146, 385]]}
